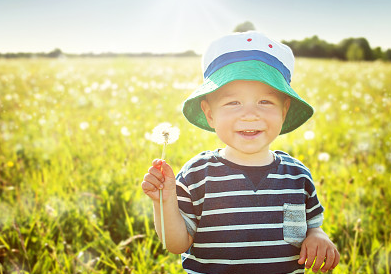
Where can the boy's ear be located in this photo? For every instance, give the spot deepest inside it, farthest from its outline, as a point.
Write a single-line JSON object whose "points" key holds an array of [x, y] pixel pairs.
{"points": [[205, 106], [287, 103]]}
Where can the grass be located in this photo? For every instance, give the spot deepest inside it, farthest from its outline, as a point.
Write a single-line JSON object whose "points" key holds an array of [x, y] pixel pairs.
{"points": [[73, 154]]}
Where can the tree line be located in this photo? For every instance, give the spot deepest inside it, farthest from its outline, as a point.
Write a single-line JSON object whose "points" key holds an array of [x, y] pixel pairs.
{"points": [[350, 49], [58, 53]]}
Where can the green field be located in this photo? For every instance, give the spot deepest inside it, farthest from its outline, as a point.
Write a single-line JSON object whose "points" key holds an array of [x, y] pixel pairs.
{"points": [[73, 153]]}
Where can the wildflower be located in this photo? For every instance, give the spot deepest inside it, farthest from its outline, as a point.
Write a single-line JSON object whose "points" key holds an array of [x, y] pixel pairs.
{"points": [[10, 164]]}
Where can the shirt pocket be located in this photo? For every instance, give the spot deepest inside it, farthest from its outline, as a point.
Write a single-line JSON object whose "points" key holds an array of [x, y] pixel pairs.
{"points": [[295, 225]]}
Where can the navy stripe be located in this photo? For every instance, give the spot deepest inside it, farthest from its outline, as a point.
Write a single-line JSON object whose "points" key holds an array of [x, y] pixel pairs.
{"points": [[238, 56]]}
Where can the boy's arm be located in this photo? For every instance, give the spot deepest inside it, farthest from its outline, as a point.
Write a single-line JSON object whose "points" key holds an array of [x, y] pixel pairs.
{"points": [[317, 244], [161, 176]]}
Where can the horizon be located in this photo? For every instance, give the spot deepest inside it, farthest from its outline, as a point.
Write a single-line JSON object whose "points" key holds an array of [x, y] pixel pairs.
{"points": [[176, 26]]}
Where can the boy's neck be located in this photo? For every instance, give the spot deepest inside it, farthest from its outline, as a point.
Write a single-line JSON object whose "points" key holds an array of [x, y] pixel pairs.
{"points": [[263, 159]]}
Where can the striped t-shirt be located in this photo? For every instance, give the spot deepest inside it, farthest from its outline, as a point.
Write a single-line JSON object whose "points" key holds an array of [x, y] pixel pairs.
{"points": [[243, 227]]}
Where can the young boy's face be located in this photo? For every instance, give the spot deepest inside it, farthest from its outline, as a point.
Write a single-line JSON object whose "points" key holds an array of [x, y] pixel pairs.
{"points": [[247, 116]]}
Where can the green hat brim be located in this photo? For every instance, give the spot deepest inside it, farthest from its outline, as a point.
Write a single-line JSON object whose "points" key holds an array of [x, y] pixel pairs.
{"points": [[299, 110]]}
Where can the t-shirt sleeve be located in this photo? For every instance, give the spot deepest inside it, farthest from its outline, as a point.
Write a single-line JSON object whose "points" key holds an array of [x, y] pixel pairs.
{"points": [[314, 210], [185, 205]]}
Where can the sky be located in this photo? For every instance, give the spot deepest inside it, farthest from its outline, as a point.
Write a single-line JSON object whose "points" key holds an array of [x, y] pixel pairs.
{"points": [[162, 26]]}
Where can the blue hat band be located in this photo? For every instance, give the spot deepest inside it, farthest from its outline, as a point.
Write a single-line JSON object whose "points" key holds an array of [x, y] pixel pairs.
{"points": [[238, 56]]}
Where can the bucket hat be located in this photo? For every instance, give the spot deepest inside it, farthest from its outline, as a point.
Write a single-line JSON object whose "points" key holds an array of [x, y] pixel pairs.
{"points": [[248, 56]]}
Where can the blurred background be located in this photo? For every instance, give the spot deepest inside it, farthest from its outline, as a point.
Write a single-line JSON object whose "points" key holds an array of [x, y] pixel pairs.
{"points": [[83, 84]]}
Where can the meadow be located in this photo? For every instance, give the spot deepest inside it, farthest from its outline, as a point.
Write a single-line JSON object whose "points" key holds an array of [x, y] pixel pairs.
{"points": [[73, 153]]}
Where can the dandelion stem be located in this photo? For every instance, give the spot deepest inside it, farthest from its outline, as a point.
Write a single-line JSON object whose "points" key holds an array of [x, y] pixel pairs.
{"points": [[161, 200]]}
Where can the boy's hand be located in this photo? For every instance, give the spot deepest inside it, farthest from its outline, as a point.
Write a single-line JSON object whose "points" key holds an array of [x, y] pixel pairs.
{"points": [[317, 244], [160, 175]]}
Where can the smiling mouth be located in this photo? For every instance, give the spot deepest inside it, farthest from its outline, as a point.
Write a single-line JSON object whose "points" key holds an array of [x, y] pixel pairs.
{"points": [[249, 132]]}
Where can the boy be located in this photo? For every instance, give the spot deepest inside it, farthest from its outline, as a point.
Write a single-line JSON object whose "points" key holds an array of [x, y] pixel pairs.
{"points": [[243, 208]]}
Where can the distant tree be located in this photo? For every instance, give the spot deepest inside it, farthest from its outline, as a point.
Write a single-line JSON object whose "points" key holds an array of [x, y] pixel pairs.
{"points": [[387, 55], [362, 43], [378, 54], [246, 26], [55, 53], [355, 53], [311, 47]]}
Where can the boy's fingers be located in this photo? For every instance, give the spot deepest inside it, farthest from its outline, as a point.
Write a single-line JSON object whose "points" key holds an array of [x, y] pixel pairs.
{"points": [[152, 179], [321, 254], [167, 170], [147, 187], [157, 163], [330, 256], [156, 172], [303, 254], [311, 254], [336, 259]]}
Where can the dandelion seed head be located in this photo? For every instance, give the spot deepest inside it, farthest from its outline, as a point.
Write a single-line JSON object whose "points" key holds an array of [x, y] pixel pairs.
{"points": [[134, 99], [309, 135], [125, 131], [324, 157], [164, 133], [84, 125]]}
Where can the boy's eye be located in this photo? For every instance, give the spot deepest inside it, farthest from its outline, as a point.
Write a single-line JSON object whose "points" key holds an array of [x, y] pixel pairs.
{"points": [[264, 102], [233, 103]]}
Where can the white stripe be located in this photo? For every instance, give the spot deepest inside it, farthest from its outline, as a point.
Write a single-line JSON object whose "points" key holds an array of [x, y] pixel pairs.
{"points": [[181, 185], [251, 192], [289, 176], [242, 210], [315, 220], [295, 165], [238, 227], [312, 195], [240, 244], [214, 179], [194, 169], [293, 240], [198, 202], [242, 261], [287, 223], [188, 220], [297, 271], [184, 199], [294, 206], [188, 271], [312, 208]]}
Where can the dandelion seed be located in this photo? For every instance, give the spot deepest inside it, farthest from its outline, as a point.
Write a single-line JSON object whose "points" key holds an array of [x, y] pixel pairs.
{"points": [[380, 168], [125, 131], [309, 135], [84, 125], [324, 157], [134, 99], [165, 133]]}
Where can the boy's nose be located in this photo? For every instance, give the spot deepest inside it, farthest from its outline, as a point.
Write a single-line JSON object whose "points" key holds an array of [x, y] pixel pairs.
{"points": [[250, 113]]}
